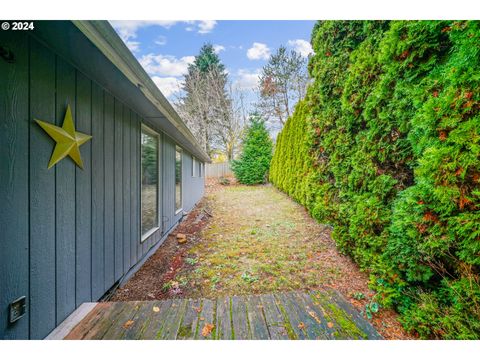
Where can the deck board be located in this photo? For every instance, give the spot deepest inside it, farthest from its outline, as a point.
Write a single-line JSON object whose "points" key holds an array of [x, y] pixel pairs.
{"points": [[188, 325], [223, 323], [205, 319], [319, 314], [274, 318], [256, 319], [239, 318]]}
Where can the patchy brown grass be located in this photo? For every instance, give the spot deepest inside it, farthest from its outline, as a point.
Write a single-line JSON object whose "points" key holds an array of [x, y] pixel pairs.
{"points": [[257, 241]]}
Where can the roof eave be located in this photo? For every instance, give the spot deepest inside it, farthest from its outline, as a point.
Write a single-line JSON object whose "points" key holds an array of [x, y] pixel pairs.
{"points": [[104, 37]]}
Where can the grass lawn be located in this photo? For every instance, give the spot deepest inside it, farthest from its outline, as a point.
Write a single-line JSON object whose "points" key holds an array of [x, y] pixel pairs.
{"points": [[258, 241]]}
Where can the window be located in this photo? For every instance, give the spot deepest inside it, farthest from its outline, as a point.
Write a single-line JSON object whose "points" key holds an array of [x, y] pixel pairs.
{"points": [[178, 180], [149, 181], [200, 169], [194, 167]]}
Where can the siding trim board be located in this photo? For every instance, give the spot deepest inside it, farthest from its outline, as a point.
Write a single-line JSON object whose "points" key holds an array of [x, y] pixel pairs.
{"points": [[69, 235]]}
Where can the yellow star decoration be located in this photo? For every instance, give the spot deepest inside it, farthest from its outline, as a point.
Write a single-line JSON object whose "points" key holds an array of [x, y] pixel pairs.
{"points": [[68, 140]]}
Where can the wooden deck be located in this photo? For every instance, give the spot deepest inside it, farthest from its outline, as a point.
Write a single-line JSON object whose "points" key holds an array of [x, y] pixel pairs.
{"points": [[292, 315]]}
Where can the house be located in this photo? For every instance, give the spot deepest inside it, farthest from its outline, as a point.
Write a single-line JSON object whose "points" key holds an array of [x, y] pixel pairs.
{"points": [[96, 169]]}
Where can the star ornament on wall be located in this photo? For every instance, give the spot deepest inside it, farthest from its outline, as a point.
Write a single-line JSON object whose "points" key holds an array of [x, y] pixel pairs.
{"points": [[67, 140]]}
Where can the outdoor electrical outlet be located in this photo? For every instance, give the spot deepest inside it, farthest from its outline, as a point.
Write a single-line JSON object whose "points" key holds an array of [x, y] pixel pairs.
{"points": [[17, 309]]}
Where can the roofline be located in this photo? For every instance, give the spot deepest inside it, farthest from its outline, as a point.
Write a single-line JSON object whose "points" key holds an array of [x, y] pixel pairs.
{"points": [[107, 41]]}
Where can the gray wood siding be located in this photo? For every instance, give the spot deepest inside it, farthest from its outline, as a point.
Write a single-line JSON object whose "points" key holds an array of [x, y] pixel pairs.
{"points": [[14, 186], [168, 180], [193, 186], [67, 234]]}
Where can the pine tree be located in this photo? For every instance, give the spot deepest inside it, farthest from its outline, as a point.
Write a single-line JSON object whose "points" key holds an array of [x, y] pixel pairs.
{"points": [[254, 162]]}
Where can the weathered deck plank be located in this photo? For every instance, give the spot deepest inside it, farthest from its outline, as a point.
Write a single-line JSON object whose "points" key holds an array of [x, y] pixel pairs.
{"points": [[291, 318], [156, 320], [317, 314], [102, 326], [93, 317], [206, 319], [142, 316], [188, 326], [223, 320], [173, 320], [274, 318], [258, 326], [239, 318], [122, 322]]}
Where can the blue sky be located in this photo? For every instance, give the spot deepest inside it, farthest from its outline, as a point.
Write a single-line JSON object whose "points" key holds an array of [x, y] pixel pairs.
{"points": [[165, 48]]}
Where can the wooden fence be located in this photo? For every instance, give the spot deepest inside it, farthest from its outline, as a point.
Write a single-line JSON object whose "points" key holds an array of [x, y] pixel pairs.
{"points": [[218, 170]]}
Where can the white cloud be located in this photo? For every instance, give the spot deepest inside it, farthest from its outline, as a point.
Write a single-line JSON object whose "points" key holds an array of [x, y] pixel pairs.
{"points": [[133, 46], [165, 65], [128, 28], [206, 26], [246, 79], [258, 51], [218, 48], [168, 85], [161, 40], [301, 46]]}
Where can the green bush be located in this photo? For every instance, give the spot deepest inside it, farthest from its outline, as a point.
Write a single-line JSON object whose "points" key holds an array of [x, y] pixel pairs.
{"points": [[385, 148], [254, 162]]}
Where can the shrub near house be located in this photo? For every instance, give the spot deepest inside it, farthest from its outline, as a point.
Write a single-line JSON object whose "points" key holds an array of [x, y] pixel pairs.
{"points": [[385, 147]]}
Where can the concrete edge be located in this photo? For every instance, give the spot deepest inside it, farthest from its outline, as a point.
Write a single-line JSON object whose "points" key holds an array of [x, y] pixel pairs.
{"points": [[71, 321]]}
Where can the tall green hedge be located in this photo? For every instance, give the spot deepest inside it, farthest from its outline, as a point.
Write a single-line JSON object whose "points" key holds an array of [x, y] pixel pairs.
{"points": [[386, 148]]}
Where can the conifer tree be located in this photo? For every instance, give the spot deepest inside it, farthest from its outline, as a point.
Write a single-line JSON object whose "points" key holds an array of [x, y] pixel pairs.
{"points": [[254, 162]]}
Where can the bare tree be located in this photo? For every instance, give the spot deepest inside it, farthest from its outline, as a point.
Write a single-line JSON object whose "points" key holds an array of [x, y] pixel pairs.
{"points": [[283, 82], [229, 129], [213, 110]]}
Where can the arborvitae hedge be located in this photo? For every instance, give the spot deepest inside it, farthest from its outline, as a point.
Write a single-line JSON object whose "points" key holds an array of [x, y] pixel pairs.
{"points": [[386, 148]]}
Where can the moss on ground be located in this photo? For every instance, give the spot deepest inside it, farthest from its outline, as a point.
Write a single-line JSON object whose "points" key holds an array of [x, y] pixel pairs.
{"points": [[258, 241]]}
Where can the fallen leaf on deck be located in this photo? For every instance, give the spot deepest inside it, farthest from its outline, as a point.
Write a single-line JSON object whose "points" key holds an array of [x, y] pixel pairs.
{"points": [[301, 326], [207, 329], [202, 319], [156, 309], [128, 324], [330, 325], [313, 315]]}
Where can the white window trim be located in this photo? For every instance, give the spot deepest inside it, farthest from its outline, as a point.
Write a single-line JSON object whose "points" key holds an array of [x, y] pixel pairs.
{"points": [[180, 209], [194, 165], [150, 232]]}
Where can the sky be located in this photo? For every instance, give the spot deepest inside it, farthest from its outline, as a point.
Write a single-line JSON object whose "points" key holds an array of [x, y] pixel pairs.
{"points": [[165, 48]]}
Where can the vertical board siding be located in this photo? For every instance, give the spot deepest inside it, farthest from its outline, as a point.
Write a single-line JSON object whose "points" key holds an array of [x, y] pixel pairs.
{"points": [[83, 194], [42, 195], [126, 190], [65, 199], [137, 160], [118, 189], [14, 129], [134, 236], [98, 194], [68, 235], [192, 186], [109, 260]]}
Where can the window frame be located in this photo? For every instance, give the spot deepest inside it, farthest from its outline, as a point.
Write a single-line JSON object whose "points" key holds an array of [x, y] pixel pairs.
{"points": [[178, 150], [151, 132], [194, 164]]}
